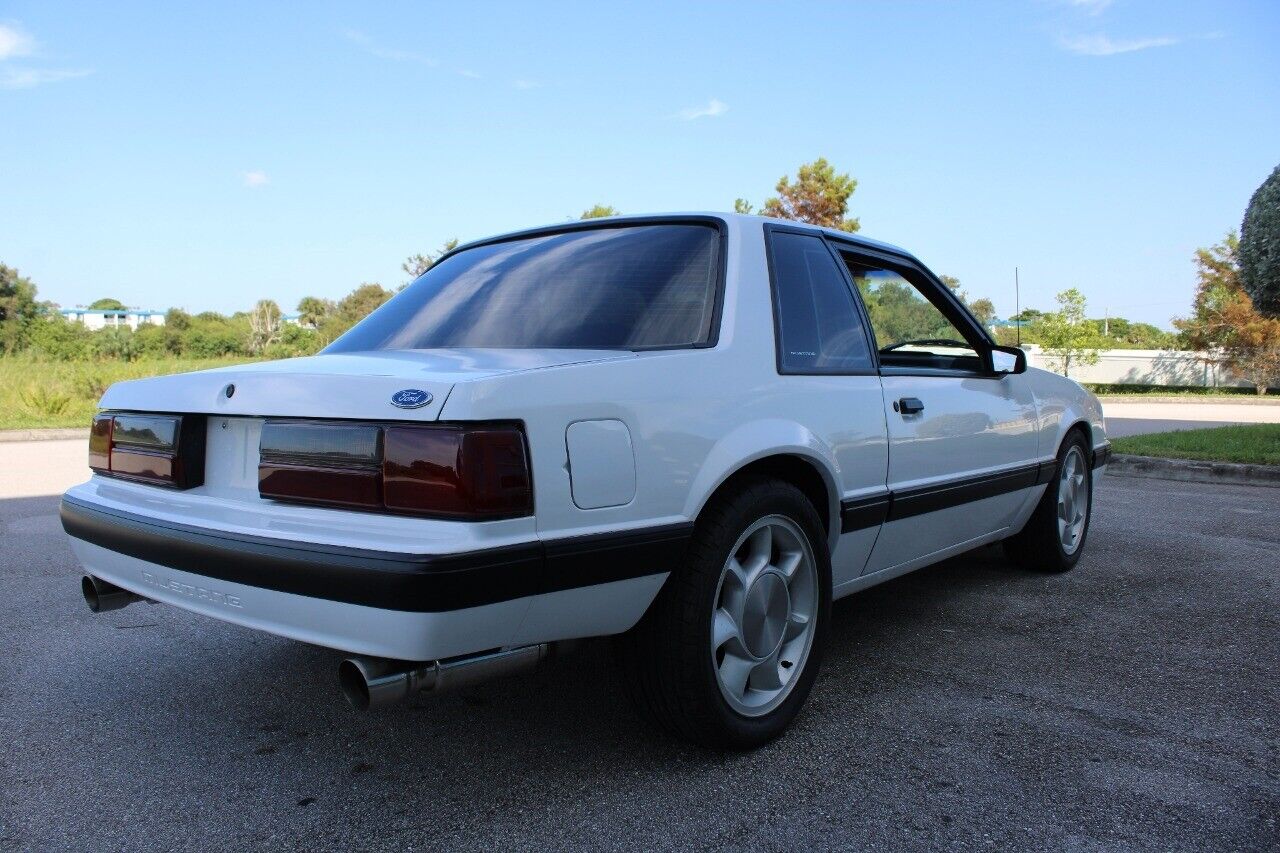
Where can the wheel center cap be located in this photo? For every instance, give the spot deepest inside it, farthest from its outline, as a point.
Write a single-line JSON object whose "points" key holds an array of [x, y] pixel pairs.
{"points": [[764, 618]]}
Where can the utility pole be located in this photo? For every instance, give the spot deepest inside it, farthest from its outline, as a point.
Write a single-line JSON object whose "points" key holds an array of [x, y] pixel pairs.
{"points": [[1017, 307]]}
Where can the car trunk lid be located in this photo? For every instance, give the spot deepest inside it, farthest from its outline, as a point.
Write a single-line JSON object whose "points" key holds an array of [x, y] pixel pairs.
{"points": [[364, 386]]}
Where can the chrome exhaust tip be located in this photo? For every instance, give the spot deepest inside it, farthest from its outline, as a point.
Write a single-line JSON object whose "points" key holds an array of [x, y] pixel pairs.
{"points": [[102, 596], [378, 682]]}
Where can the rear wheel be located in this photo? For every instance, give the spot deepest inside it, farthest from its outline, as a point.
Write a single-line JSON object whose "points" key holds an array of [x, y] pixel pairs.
{"points": [[1054, 537], [729, 650]]}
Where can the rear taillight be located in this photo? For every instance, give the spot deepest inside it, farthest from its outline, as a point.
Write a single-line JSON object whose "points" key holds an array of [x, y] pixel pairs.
{"points": [[443, 471], [166, 450]]}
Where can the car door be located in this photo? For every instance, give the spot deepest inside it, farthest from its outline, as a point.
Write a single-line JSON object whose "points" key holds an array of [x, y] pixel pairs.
{"points": [[826, 364], [962, 439]]}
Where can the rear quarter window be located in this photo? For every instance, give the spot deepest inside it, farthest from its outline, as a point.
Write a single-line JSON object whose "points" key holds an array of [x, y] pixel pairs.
{"points": [[818, 325]]}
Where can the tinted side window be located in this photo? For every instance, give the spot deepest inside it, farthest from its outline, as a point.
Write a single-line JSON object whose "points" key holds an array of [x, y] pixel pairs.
{"points": [[819, 329], [910, 329]]}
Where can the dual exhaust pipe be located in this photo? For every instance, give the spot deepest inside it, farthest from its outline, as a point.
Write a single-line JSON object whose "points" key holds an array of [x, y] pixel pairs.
{"points": [[375, 682]]}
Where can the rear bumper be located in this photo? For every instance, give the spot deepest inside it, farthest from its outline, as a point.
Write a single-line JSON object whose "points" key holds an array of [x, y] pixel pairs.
{"points": [[390, 604]]}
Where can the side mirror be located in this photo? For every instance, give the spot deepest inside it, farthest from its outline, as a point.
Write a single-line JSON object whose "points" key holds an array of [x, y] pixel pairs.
{"points": [[1008, 360]]}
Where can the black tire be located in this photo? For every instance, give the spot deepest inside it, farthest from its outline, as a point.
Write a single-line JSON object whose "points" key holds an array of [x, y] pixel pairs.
{"points": [[666, 658], [1039, 547]]}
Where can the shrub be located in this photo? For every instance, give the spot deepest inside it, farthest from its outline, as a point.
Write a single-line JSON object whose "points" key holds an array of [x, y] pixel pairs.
{"points": [[92, 385], [60, 339], [1259, 252], [115, 343], [44, 400]]}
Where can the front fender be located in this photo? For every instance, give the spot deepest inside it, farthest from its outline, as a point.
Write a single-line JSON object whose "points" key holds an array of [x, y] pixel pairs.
{"points": [[1062, 403]]}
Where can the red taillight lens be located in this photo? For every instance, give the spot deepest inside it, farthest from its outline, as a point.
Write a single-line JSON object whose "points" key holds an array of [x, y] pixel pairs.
{"points": [[100, 443], [474, 473], [443, 471], [165, 450]]}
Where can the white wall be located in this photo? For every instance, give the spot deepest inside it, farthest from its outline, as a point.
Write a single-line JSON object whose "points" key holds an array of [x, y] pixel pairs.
{"points": [[1144, 367]]}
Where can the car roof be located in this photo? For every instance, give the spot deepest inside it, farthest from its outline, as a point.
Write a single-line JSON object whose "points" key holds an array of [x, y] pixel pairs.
{"points": [[738, 219]]}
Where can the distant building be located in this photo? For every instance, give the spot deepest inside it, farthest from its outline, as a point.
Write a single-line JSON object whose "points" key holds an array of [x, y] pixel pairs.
{"points": [[113, 318], [292, 319]]}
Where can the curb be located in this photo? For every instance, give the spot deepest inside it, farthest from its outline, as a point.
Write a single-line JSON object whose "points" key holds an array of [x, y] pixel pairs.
{"points": [[52, 434], [1193, 399], [1193, 470]]}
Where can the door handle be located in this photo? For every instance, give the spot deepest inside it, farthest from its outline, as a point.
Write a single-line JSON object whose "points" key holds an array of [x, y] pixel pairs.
{"points": [[909, 406]]}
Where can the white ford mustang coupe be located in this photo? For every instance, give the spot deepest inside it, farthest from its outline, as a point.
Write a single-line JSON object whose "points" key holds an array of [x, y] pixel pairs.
{"points": [[692, 431]]}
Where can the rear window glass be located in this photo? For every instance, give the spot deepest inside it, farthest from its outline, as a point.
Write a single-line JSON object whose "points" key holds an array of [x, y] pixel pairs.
{"points": [[636, 287]]}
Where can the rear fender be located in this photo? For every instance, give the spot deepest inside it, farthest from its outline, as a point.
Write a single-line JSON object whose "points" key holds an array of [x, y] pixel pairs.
{"points": [[758, 440]]}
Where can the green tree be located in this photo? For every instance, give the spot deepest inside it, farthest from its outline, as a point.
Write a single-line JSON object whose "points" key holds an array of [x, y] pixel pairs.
{"points": [[741, 205], [1224, 318], [17, 308], [265, 322], [1066, 335], [1126, 334], [416, 265], [177, 319], [107, 304], [353, 308], [313, 311], [1217, 285], [898, 313], [819, 196], [599, 211], [1260, 247], [295, 341], [984, 309], [211, 335]]}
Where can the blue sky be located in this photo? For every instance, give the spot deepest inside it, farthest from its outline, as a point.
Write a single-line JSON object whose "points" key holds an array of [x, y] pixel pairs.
{"points": [[209, 155]]}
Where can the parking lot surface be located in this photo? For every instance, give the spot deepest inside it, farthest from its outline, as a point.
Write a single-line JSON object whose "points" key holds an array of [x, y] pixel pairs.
{"points": [[1129, 704]]}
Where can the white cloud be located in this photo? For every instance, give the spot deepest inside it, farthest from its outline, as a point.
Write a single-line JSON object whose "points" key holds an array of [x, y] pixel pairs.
{"points": [[1101, 45], [467, 72], [255, 179], [26, 78], [526, 84], [713, 109], [15, 42], [388, 53]]}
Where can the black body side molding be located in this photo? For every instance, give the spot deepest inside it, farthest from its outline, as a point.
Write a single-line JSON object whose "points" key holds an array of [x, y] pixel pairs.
{"points": [[872, 511]]}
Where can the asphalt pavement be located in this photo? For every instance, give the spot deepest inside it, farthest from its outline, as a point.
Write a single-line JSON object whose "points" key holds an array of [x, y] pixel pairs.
{"points": [[1130, 704]]}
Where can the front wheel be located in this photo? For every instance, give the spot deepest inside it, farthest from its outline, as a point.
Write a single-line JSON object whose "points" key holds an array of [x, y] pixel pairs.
{"points": [[1054, 537], [729, 650]]}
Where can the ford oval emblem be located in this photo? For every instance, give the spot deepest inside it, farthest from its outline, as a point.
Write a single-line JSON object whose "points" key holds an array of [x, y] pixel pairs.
{"points": [[410, 398]]}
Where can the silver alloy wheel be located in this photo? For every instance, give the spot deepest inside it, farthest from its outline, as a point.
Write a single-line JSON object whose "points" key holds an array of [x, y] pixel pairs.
{"points": [[764, 615], [1073, 500]]}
